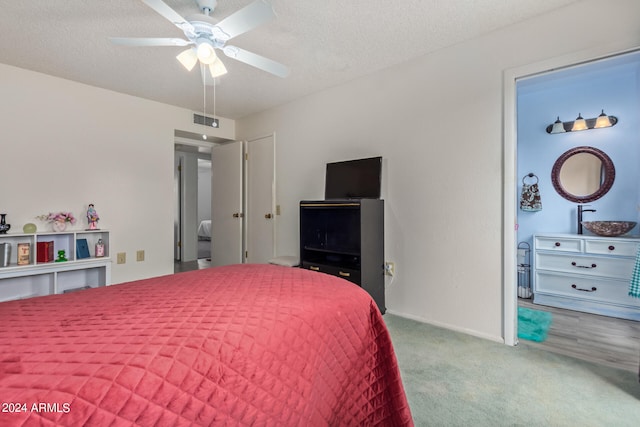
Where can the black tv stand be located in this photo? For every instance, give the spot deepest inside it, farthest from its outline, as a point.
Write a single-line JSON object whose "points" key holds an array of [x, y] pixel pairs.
{"points": [[345, 238]]}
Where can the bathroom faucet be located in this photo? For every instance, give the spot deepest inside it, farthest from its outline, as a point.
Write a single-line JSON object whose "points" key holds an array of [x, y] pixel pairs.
{"points": [[581, 210]]}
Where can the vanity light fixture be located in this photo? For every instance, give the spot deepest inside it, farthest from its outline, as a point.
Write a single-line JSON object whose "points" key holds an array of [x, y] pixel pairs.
{"points": [[557, 127], [579, 124], [602, 121]]}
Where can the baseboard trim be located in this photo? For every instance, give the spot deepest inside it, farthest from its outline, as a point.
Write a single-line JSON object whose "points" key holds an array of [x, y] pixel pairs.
{"points": [[471, 332]]}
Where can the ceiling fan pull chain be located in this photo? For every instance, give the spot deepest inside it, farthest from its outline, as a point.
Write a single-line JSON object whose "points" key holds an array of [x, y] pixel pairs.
{"points": [[204, 106]]}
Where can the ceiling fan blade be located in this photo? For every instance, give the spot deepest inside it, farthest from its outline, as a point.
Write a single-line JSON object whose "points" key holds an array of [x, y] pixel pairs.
{"points": [[257, 61], [170, 14], [247, 18], [148, 41]]}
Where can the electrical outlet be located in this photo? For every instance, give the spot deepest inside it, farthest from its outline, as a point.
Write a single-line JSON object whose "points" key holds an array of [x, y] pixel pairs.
{"points": [[389, 268], [122, 257], [140, 255]]}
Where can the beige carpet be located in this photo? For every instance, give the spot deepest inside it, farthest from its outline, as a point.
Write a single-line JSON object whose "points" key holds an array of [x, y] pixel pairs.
{"points": [[454, 379]]}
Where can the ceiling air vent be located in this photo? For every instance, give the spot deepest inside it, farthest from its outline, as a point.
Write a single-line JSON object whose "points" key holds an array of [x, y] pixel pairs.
{"points": [[204, 120]]}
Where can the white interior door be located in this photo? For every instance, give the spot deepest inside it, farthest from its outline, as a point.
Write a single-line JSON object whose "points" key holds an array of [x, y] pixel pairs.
{"points": [[260, 196], [226, 203]]}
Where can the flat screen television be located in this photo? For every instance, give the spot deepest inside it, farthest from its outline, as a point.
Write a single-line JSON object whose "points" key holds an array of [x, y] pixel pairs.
{"points": [[354, 179]]}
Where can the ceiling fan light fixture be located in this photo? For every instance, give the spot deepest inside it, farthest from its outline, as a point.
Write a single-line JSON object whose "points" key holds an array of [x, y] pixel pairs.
{"points": [[217, 68], [188, 59], [206, 34], [205, 51]]}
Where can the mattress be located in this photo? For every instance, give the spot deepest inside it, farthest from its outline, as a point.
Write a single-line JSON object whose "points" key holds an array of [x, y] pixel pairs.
{"points": [[236, 345]]}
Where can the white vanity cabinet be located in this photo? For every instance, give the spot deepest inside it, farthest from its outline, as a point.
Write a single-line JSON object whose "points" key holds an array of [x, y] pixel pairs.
{"points": [[37, 278], [585, 273]]}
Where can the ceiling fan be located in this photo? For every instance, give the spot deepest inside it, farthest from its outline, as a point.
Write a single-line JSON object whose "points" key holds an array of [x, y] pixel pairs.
{"points": [[204, 36]]}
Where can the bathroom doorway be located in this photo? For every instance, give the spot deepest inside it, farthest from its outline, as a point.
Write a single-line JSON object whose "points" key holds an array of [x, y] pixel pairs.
{"points": [[513, 224]]}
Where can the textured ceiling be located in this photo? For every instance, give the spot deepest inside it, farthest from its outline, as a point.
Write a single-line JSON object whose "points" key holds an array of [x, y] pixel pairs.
{"points": [[325, 43]]}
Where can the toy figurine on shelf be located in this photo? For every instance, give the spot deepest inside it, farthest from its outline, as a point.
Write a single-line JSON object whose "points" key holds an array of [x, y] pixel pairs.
{"points": [[61, 256], [92, 218]]}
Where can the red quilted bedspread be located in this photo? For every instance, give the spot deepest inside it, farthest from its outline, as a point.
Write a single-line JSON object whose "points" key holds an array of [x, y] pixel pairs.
{"points": [[256, 345]]}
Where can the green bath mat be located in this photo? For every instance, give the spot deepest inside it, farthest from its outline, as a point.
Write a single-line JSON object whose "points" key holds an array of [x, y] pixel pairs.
{"points": [[533, 325]]}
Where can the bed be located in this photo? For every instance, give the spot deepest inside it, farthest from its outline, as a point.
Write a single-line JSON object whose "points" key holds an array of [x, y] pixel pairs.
{"points": [[263, 345], [204, 230]]}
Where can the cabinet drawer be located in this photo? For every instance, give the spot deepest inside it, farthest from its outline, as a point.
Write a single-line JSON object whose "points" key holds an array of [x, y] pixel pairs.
{"points": [[611, 247], [345, 273], [587, 288], [560, 244], [618, 268]]}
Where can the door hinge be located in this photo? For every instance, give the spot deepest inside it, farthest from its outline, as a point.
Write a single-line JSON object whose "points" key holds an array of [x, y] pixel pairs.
{"points": [[246, 254], [246, 156], [179, 168], [179, 244]]}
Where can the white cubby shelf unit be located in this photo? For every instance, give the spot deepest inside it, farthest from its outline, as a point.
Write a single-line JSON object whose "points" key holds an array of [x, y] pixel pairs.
{"points": [[45, 278]]}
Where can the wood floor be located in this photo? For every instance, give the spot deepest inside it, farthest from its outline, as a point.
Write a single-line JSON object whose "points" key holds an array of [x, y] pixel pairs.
{"points": [[600, 339]]}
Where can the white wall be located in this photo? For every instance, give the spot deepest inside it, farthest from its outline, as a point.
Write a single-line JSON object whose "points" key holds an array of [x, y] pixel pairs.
{"points": [[65, 145], [437, 122]]}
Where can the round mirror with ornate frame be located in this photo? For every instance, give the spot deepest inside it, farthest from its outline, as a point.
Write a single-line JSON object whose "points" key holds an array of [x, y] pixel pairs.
{"points": [[583, 174]]}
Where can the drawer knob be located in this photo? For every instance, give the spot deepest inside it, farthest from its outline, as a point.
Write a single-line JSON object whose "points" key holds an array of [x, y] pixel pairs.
{"points": [[593, 288], [611, 247], [583, 266], [557, 244]]}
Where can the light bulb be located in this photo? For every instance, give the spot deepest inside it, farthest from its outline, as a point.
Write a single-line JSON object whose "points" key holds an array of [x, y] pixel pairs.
{"points": [[206, 52], [204, 137]]}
